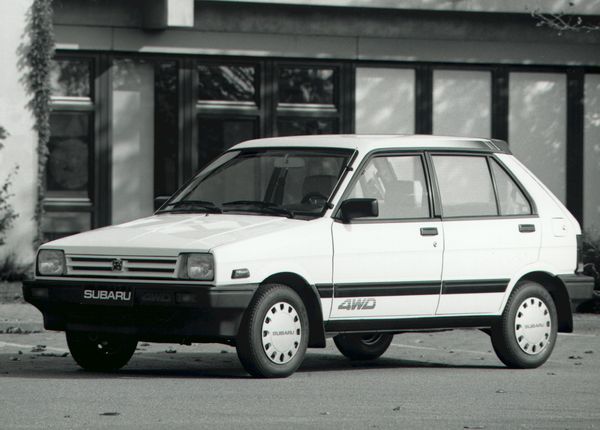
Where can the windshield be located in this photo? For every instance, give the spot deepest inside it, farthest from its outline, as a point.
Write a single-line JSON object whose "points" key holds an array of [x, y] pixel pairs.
{"points": [[284, 182]]}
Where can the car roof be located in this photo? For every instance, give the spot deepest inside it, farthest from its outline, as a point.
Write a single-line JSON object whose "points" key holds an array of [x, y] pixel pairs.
{"points": [[369, 142]]}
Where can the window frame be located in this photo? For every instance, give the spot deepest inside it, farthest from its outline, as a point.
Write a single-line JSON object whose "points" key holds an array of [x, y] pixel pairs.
{"points": [[88, 105], [336, 214], [488, 157]]}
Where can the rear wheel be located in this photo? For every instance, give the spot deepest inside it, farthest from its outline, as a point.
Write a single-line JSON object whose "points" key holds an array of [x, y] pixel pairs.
{"points": [[273, 336], [101, 352], [363, 346], [526, 334]]}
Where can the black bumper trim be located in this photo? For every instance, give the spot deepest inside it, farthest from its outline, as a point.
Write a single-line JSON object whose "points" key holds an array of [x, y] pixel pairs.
{"points": [[579, 286], [154, 312]]}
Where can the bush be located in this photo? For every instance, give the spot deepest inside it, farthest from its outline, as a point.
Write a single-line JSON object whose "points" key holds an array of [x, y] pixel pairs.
{"points": [[7, 212], [11, 270]]}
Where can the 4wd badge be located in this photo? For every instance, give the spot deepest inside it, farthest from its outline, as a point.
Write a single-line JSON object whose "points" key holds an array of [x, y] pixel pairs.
{"points": [[358, 304]]}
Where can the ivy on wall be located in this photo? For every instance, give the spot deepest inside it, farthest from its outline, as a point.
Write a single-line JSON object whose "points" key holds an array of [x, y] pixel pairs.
{"points": [[7, 212], [38, 58]]}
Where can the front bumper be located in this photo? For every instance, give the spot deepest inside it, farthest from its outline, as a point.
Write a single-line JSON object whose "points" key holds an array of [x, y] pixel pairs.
{"points": [[579, 286], [153, 312]]}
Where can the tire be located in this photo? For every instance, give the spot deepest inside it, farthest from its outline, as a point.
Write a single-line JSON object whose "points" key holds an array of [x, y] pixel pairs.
{"points": [[100, 352], [273, 336], [526, 333], [363, 346]]}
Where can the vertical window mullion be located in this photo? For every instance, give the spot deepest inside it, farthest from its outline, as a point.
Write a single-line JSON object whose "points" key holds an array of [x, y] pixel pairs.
{"points": [[575, 142], [423, 100], [500, 103], [102, 162]]}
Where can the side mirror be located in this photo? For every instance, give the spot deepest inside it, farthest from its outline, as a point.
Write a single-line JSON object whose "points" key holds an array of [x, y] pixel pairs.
{"points": [[159, 201], [358, 208]]}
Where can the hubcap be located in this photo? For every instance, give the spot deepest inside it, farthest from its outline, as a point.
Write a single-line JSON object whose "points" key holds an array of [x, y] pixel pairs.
{"points": [[281, 333], [371, 339], [533, 326]]}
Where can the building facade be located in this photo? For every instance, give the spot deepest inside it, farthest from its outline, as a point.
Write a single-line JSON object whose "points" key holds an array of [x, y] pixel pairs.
{"points": [[147, 92]]}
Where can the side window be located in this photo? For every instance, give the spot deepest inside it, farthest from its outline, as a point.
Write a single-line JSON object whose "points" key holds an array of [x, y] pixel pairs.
{"points": [[511, 198], [398, 183], [465, 185]]}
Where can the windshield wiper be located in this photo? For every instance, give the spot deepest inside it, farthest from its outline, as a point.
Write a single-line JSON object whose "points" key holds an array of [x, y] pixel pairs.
{"points": [[265, 207], [194, 205]]}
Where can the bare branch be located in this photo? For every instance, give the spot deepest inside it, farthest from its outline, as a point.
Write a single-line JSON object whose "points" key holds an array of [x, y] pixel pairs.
{"points": [[562, 22]]}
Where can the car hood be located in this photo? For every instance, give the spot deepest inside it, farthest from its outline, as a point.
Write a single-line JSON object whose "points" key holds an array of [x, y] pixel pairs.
{"points": [[170, 234]]}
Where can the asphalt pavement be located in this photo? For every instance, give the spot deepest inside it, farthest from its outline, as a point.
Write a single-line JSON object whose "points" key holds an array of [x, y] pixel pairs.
{"points": [[442, 380]]}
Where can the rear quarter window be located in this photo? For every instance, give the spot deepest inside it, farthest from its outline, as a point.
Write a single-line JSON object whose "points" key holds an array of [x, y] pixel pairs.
{"points": [[510, 197]]}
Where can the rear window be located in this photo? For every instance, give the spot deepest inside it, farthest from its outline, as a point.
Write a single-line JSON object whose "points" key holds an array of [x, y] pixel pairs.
{"points": [[465, 184]]}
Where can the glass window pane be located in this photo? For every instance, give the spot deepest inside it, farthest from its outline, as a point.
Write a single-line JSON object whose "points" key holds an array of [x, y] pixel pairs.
{"points": [[70, 78], [70, 149], [591, 157], [227, 83], [218, 134], [462, 103], [306, 85], [511, 198], [58, 224], [537, 126], [133, 123], [385, 100], [302, 126], [398, 184], [465, 186]]}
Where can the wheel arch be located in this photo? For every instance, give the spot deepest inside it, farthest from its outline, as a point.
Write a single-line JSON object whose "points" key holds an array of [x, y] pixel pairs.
{"points": [[558, 291], [309, 295]]}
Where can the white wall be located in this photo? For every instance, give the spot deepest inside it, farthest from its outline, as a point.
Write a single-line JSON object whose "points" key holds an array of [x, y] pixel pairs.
{"points": [[133, 140], [462, 103], [591, 167], [20, 147], [385, 100], [537, 126]]}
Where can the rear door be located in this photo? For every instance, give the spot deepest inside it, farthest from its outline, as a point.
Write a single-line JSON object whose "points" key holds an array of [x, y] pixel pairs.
{"points": [[391, 265], [490, 230]]}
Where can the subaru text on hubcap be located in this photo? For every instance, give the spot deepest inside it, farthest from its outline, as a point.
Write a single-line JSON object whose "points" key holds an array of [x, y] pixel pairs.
{"points": [[281, 333], [533, 326]]}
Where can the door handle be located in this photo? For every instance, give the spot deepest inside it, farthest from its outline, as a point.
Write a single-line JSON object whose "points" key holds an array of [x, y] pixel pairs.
{"points": [[429, 231], [526, 228]]}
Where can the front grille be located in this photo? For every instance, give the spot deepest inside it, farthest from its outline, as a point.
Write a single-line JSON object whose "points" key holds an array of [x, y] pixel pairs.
{"points": [[123, 267]]}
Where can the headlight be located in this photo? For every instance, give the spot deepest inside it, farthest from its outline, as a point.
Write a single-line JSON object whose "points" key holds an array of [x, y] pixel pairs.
{"points": [[51, 262], [197, 266]]}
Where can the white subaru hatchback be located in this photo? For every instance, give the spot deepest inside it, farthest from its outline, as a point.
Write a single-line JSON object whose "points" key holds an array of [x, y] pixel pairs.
{"points": [[280, 243]]}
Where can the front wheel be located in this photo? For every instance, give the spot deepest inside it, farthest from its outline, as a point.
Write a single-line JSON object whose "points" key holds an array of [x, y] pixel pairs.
{"points": [[100, 352], [273, 336], [363, 346], [526, 333]]}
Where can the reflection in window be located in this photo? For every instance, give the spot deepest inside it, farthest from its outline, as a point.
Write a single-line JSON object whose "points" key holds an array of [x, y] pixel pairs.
{"points": [[301, 126], [465, 186], [218, 134], [226, 83], [70, 78], [306, 85], [69, 155]]}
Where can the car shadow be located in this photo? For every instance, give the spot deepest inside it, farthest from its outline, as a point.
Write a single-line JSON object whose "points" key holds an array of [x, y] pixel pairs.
{"points": [[202, 365]]}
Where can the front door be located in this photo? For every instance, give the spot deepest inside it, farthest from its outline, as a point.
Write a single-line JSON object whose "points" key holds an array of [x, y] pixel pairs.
{"points": [[389, 266]]}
